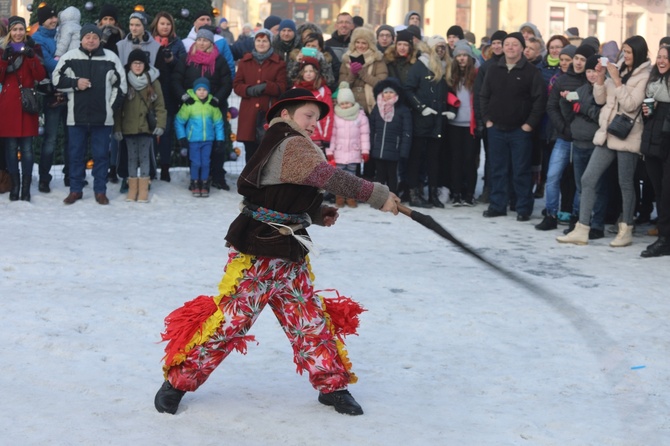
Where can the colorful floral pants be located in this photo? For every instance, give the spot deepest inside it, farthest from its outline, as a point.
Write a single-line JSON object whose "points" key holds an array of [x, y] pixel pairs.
{"points": [[287, 287]]}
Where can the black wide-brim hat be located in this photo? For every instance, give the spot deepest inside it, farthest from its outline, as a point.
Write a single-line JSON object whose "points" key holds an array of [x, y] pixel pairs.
{"points": [[296, 95]]}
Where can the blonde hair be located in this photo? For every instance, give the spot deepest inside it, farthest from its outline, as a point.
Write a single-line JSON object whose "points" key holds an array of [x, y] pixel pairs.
{"points": [[435, 64]]}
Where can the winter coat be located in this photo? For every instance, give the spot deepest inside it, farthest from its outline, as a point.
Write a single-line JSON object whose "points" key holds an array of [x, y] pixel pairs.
{"points": [[131, 119], [374, 70], [569, 81], [69, 29], [46, 39], [147, 44], [398, 67], [286, 174], [391, 140], [584, 122], [200, 121], [350, 139], [654, 140], [547, 70], [111, 35], [95, 105], [479, 82], [624, 99], [284, 49], [175, 46], [511, 98], [27, 71], [249, 72], [221, 45], [220, 82], [422, 92]]}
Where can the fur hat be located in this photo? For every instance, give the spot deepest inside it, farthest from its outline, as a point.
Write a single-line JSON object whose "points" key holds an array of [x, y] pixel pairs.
{"points": [[456, 31], [201, 82], [362, 33], [88, 29], [498, 35], [138, 55], [205, 34], [108, 10], [435, 40], [45, 13], [463, 47], [296, 95], [344, 93], [518, 36], [388, 28]]}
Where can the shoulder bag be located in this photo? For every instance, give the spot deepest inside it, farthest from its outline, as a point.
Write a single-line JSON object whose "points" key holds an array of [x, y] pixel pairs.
{"points": [[622, 124]]}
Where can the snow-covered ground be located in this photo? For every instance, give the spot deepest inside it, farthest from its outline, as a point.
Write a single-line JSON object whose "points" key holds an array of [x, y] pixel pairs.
{"points": [[449, 351]]}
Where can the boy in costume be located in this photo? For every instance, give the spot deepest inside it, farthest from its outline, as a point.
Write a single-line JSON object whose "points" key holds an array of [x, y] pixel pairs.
{"points": [[282, 185]]}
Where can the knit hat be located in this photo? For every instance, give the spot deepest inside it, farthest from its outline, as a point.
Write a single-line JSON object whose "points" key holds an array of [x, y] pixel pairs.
{"points": [[287, 23], [665, 41], [139, 16], [344, 93], [45, 13], [205, 34], [296, 95], [108, 10], [271, 22], [435, 40], [518, 36], [15, 20], [456, 31], [569, 50], [404, 36], [463, 47], [592, 61], [223, 19], [498, 35], [202, 12], [313, 61], [585, 50], [358, 21], [414, 31], [90, 28], [388, 28], [138, 55], [593, 42], [264, 32], [390, 83], [201, 82], [572, 32]]}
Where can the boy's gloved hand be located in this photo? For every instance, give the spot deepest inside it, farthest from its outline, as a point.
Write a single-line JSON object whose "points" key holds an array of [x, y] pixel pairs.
{"points": [[186, 99], [428, 111]]}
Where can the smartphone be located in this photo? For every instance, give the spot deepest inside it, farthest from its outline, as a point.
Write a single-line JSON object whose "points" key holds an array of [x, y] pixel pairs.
{"points": [[309, 52], [572, 96], [360, 59]]}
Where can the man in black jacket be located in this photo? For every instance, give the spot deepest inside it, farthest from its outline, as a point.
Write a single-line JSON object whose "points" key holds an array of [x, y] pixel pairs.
{"points": [[513, 99], [339, 42]]}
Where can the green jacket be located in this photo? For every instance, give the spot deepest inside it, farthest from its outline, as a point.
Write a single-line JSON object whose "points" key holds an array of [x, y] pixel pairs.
{"points": [[131, 119]]}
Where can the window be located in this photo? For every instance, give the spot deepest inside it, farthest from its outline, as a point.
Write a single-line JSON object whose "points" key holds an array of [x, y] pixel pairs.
{"points": [[593, 22], [463, 9], [556, 21], [631, 24]]}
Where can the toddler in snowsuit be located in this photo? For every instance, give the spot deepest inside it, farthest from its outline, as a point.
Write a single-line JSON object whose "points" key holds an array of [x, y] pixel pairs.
{"points": [[199, 128], [69, 29], [350, 139]]}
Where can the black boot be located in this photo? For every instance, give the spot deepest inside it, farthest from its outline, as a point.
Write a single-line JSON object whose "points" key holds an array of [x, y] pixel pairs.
{"points": [[25, 187], [167, 399], [204, 188], [342, 401], [16, 187], [661, 247], [434, 198], [403, 192], [194, 187], [548, 223], [111, 176], [416, 199], [165, 172], [573, 222]]}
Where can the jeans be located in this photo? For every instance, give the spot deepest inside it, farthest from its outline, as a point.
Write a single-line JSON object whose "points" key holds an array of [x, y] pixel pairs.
{"points": [[53, 117], [580, 159], [600, 160], [78, 136], [12, 146], [510, 156], [199, 153], [559, 160]]}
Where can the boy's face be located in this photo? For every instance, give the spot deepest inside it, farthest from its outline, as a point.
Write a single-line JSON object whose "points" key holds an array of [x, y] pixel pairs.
{"points": [[591, 76], [306, 117], [201, 93]]}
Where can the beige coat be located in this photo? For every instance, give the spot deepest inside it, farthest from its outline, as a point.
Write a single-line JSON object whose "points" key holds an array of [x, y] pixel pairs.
{"points": [[373, 71], [625, 99]]}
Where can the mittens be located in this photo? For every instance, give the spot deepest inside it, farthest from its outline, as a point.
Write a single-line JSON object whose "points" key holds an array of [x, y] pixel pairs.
{"points": [[355, 68]]}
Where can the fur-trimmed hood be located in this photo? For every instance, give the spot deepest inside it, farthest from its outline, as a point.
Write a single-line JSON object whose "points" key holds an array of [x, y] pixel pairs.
{"points": [[391, 82], [389, 54]]}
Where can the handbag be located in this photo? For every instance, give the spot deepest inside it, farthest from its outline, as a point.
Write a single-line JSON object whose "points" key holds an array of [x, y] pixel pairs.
{"points": [[622, 124], [152, 121], [29, 100]]}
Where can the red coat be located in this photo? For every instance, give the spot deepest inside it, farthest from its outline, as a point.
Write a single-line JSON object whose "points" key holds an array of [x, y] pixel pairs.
{"points": [[249, 72], [15, 123]]}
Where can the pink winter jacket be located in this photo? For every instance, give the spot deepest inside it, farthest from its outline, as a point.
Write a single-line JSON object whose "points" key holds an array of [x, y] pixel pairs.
{"points": [[350, 139]]}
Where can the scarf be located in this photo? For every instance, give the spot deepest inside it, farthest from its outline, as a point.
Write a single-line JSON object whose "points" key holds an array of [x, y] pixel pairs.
{"points": [[386, 108], [348, 114], [659, 90], [306, 85], [206, 60], [260, 57], [162, 41], [552, 62]]}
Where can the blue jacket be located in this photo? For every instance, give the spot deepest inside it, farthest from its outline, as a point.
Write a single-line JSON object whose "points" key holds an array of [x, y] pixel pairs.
{"points": [[46, 38], [200, 121]]}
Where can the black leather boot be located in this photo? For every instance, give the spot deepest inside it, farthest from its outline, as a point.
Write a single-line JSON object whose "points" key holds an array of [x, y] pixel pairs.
{"points": [[168, 398], [416, 199], [661, 247], [16, 187], [342, 401], [434, 198], [25, 187]]}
